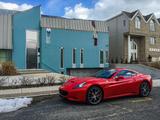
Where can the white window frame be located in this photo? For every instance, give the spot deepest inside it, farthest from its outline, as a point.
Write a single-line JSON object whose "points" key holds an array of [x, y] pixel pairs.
{"points": [[81, 63], [152, 40], [137, 22], [73, 64], [101, 64]]}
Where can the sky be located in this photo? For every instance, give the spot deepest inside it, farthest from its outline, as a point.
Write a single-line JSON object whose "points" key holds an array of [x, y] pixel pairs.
{"points": [[85, 9]]}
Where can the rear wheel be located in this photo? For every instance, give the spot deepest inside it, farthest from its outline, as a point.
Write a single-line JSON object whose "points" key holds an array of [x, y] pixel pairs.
{"points": [[144, 89], [94, 95]]}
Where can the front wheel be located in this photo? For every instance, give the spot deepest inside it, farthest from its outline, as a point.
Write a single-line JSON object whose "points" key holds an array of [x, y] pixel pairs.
{"points": [[144, 89], [94, 95]]}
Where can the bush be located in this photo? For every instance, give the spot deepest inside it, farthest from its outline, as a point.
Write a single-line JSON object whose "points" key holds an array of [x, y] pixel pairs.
{"points": [[8, 68]]}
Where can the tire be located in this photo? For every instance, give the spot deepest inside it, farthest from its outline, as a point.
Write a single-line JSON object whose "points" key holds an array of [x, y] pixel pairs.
{"points": [[94, 95], [144, 89]]}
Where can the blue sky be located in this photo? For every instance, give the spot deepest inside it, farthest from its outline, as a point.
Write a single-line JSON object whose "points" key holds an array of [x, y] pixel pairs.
{"points": [[53, 7], [85, 9]]}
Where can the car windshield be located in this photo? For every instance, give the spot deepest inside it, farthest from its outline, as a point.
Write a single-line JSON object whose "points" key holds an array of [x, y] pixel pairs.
{"points": [[105, 73]]}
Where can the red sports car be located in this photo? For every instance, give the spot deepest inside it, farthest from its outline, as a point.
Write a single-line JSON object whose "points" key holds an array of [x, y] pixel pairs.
{"points": [[106, 84]]}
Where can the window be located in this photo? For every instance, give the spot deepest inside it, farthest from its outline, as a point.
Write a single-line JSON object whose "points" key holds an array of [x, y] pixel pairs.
{"points": [[137, 22], [74, 56], [62, 58], [126, 73], [48, 35], [81, 56], [5, 55], [95, 42], [152, 25], [101, 57], [124, 23], [105, 73], [107, 56], [152, 40]]}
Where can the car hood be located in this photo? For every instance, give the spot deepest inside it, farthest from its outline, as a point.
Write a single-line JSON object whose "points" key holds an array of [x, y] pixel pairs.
{"points": [[78, 80]]}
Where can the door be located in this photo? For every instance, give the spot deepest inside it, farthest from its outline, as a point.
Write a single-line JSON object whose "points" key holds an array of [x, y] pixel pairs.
{"points": [[121, 84], [133, 50], [32, 49]]}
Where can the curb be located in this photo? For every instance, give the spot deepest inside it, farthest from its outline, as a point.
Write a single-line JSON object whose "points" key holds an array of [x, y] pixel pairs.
{"points": [[149, 67]]}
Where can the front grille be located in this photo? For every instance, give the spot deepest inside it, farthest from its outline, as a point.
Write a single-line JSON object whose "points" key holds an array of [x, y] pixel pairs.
{"points": [[63, 93]]}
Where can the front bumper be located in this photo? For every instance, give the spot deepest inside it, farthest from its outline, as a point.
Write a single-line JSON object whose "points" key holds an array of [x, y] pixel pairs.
{"points": [[78, 94]]}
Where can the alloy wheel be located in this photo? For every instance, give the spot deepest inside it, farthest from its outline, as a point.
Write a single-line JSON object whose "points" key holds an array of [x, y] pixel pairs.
{"points": [[144, 89], [94, 95]]}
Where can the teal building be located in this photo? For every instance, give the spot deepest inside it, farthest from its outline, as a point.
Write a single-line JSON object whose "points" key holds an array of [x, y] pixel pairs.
{"points": [[67, 46]]}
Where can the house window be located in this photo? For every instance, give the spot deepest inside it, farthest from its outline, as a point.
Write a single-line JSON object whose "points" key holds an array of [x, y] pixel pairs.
{"points": [[48, 35], [152, 40], [81, 56], [124, 23], [5, 55], [74, 56], [62, 58], [101, 57], [152, 25], [137, 22]]}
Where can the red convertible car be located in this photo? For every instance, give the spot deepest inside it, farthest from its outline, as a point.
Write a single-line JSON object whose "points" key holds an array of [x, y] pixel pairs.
{"points": [[106, 84]]}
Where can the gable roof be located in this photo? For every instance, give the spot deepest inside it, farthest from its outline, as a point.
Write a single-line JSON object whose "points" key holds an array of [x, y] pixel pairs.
{"points": [[158, 20], [147, 17], [130, 14]]}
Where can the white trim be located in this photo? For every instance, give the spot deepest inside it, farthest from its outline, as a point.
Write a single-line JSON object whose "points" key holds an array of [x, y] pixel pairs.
{"points": [[150, 18], [153, 17], [140, 15]]}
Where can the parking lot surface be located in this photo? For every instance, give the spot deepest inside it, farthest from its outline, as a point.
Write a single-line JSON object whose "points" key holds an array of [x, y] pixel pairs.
{"points": [[126, 108]]}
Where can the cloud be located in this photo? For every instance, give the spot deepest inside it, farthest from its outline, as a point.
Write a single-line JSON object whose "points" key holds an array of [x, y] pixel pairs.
{"points": [[104, 9], [14, 6]]}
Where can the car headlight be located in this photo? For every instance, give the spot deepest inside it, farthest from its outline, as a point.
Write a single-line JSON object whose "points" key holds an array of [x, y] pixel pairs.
{"points": [[80, 85]]}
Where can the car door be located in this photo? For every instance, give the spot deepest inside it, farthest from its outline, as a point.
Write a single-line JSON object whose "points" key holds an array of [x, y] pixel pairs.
{"points": [[121, 84]]}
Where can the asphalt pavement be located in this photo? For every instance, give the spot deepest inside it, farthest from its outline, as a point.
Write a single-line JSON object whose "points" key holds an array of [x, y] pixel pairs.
{"points": [[155, 73], [125, 108]]}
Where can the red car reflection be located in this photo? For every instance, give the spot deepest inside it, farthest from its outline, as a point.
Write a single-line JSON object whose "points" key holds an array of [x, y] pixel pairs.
{"points": [[106, 84]]}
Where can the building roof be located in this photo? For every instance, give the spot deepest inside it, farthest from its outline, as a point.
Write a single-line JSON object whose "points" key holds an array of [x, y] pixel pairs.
{"points": [[130, 14], [147, 17], [5, 11], [73, 24], [158, 20]]}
